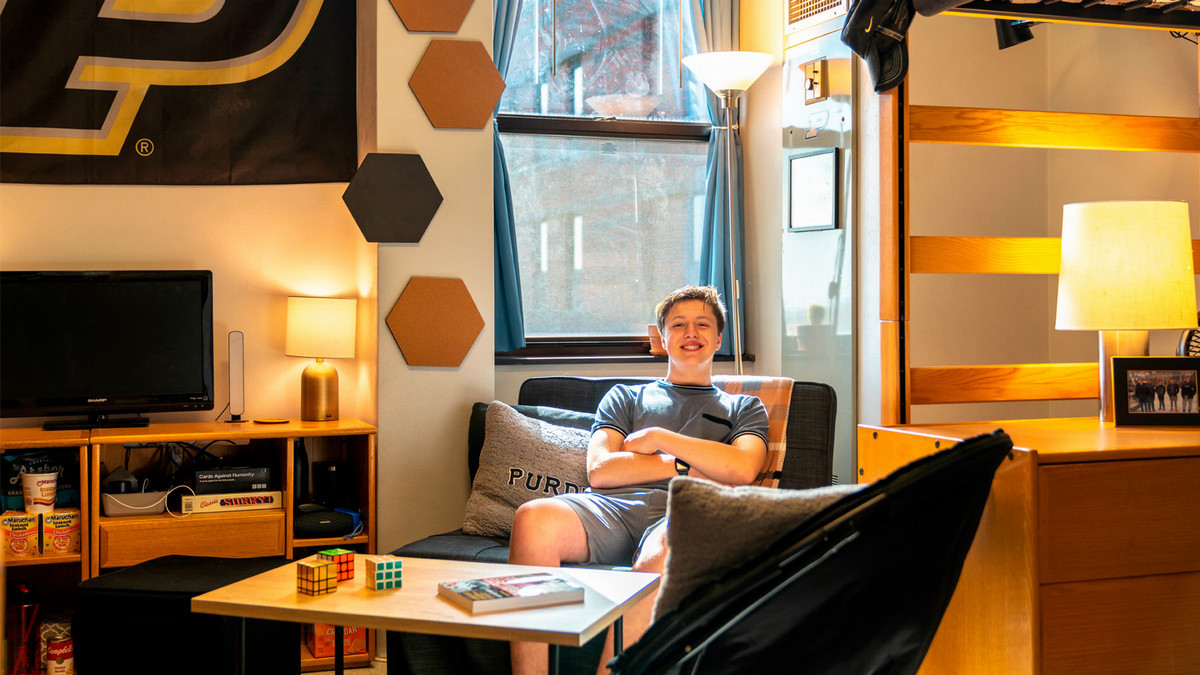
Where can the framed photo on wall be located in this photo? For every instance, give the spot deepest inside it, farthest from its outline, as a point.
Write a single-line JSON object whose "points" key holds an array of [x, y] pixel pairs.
{"points": [[813, 191], [1156, 390]]}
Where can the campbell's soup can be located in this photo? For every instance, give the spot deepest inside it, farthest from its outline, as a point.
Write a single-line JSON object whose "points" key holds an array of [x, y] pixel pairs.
{"points": [[60, 657]]}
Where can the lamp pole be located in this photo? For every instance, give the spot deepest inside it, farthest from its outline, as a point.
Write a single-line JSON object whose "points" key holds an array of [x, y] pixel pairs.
{"points": [[729, 98]]}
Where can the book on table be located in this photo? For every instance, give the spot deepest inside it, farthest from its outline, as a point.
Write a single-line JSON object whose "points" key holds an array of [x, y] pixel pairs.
{"points": [[518, 591]]}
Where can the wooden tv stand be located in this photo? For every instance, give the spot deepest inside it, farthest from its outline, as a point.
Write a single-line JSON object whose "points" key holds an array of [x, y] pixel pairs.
{"points": [[112, 542], [1087, 557]]}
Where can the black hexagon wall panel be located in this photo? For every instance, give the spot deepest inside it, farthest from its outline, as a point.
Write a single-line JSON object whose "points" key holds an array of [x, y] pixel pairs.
{"points": [[392, 198]]}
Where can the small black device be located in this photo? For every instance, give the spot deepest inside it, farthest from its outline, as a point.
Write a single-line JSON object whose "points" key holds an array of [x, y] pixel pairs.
{"points": [[329, 483], [300, 472]]}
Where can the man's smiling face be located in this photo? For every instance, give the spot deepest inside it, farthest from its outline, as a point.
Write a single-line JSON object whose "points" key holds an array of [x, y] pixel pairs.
{"points": [[690, 333]]}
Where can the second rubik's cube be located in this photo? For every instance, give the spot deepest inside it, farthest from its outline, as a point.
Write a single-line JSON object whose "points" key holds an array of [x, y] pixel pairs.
{"points": [[383, 572], [344, 560], [316, 577]]}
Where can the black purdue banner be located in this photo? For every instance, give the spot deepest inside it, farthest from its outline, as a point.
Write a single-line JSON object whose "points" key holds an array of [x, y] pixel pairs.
{"points": [[177, 92]]}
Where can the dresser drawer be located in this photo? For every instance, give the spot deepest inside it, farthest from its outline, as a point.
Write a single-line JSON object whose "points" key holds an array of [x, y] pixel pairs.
{"points": [[134, 539], [1120, 626], [1100, 520]]}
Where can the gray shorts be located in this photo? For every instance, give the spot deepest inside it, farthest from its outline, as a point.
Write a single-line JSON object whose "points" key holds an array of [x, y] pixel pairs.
{"points": [[616, 521]]}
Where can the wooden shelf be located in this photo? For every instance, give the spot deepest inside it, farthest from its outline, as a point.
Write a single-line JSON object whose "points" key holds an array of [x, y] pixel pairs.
{"points": [[119, 541], [45, 559]]}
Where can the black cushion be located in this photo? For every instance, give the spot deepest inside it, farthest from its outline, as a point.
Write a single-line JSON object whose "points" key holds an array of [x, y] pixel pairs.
{"points": [[457, 546], [139, 620]]}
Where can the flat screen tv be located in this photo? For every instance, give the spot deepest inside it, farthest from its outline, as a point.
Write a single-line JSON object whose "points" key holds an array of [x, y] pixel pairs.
{"points": [[97, 344]]}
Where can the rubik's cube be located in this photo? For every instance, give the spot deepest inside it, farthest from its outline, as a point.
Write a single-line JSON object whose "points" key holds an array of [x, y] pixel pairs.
{"points": [[316, 577], [383, 572], [344, 560]]}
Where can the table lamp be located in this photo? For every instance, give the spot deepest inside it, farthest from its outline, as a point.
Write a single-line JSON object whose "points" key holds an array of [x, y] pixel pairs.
{"points": [[1126, 269], [322, 328], [729, 75]]}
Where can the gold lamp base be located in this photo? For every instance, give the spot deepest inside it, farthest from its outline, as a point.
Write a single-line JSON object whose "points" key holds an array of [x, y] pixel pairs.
{"points": [[319, 392]]}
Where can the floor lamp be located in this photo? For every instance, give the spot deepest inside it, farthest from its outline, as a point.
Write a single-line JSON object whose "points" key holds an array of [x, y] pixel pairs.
{"points": [[728, 75]]}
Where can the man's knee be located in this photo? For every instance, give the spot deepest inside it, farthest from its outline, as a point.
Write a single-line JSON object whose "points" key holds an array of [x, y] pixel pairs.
{"points": [[653, 553]]}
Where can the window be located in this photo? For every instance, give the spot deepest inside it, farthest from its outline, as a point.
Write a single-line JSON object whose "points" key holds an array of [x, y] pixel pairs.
{"points": [[605, 139]]}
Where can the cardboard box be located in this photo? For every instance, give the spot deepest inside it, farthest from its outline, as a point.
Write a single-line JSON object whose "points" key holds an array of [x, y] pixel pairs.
{"points": [[319, 638], [20, 531], [60, 531]]}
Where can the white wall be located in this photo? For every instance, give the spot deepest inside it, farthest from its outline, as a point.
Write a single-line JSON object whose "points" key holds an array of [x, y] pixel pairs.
{"points": [[423, 412]]}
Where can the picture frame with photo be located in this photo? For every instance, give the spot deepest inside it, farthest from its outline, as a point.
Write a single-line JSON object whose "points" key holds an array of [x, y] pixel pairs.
{"points": [[1156, 390]]}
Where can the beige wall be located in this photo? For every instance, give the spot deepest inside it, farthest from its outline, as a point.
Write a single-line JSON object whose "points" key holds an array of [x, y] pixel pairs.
{"points": [[262, 244], [423, 411]]}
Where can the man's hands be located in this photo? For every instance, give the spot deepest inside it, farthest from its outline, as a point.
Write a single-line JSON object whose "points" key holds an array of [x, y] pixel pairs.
{"points": [[646, 441]]}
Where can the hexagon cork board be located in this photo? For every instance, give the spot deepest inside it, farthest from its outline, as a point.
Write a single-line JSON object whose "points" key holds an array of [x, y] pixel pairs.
{"points": [[435, 322], [392, 198], [457, 84], [440, 16]]}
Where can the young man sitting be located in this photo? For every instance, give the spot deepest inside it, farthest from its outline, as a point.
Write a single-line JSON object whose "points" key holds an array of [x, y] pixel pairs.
{"points": [[643, 436]]}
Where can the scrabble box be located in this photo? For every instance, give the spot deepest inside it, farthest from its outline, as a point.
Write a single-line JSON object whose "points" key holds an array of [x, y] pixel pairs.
{"points": [[319, 638]]}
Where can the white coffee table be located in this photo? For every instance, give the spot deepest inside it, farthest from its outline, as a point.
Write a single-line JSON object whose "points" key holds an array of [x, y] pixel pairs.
{"points": [[417, 608]]}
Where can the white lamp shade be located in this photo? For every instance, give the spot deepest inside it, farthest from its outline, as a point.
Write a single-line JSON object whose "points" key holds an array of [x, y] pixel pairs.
{"points": [[728, 71], [1126, 266], [321, 327]]}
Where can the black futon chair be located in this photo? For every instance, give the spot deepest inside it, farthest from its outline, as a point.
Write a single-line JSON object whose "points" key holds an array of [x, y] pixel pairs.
{"points": [[808, 462], [858, 587]]}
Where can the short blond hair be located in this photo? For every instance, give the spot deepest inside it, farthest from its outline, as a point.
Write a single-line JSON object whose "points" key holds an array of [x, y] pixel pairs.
{"points": [[706, 294]]}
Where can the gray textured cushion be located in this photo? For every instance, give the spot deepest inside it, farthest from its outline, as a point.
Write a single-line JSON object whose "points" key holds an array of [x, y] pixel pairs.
{"points": [[715, 528], [522, 459]]}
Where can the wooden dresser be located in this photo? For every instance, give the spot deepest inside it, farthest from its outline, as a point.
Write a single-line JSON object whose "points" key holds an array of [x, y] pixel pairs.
{"points": [[1087, 558]]}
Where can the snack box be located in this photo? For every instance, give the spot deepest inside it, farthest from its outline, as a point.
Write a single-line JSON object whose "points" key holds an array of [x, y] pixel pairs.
{"points": [[60, 531], [20, 533], [319, 638]]}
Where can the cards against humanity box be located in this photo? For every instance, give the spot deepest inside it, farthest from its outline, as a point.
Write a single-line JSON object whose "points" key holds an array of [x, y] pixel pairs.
{"points": [[244, 479]]}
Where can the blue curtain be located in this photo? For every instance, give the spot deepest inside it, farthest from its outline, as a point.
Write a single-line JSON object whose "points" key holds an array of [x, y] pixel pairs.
{"points": [[715, 23], [510, 322]]}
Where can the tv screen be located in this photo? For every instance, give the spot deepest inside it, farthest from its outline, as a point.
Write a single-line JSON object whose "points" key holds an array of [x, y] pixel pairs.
{"points": [[99, 343]]}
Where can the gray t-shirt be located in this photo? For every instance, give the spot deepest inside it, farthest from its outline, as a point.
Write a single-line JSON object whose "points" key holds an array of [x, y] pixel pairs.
{"points": [[705, 412]]}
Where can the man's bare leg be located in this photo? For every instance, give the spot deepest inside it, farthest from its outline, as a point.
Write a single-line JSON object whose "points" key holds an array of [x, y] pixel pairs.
{"points": [[651, 558], [546, 532]]}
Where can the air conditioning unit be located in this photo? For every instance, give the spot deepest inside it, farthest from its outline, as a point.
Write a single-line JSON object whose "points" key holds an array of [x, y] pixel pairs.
{"points": [[802, 14]]}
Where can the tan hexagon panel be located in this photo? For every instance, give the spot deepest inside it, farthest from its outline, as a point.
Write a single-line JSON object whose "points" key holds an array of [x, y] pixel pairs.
{"points": [[435, 322], [457, 84], [439, 16]]}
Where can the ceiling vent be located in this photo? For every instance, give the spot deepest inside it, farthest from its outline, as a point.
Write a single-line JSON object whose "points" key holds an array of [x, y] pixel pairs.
{"points": [[802, 14]]}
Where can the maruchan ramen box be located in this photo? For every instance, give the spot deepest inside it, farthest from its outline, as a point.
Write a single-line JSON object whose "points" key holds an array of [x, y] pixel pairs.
{"points": [[319, 638], [60, 531], [20, 533]]}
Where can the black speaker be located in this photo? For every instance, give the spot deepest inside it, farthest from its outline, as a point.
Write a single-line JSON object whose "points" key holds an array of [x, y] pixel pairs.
{"points": [[321, 524]]}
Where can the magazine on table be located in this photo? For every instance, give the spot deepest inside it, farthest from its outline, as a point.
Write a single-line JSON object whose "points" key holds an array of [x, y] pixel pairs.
{"points": [[519, 591]]}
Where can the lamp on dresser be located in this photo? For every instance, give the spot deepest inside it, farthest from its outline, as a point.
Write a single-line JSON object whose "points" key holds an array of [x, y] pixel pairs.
{"points": [[321, 328], [1126, 269]]}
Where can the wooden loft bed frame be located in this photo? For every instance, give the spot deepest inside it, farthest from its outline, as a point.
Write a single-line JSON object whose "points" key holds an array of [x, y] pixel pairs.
{"points": [[902, 255], [1177, 15]]}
